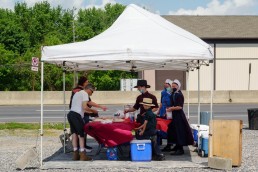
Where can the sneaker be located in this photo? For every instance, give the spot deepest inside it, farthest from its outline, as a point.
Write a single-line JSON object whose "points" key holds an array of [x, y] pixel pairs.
{"points": [[159, 157], [178, 152], [88, 147], [76, 155], [167, 148], [175, 148], [84, 157], [88, 150]]}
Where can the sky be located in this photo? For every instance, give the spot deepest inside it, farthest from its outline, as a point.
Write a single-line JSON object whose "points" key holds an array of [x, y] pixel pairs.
{"points": [[162, 7]]}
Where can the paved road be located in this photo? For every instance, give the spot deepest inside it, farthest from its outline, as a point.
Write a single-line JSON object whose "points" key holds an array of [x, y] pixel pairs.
{"points": [[55, 113]]}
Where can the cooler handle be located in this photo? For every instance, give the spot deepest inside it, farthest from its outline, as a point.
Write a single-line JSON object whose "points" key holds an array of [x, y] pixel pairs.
{"points": [[141, 146]]}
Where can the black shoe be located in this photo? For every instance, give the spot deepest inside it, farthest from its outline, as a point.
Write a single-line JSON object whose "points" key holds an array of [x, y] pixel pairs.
{"points": [[159, 157], [88, 147], [175, 148], [166, 148], [178, 152], [160, 142]]}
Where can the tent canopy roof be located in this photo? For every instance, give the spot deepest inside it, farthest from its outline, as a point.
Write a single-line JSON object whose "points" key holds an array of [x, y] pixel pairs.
{"points": [[137, 40]]}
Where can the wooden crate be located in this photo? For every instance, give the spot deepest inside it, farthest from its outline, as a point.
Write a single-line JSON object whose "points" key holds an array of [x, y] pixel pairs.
{"points": [[225, 140]]}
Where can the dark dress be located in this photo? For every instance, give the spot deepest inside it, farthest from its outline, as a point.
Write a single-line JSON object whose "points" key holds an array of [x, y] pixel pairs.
{"points": [[179, 131]]}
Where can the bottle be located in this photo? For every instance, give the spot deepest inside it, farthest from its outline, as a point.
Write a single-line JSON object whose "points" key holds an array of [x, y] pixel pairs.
{"points": [[116, 116], [169, 115], [131, 117]]}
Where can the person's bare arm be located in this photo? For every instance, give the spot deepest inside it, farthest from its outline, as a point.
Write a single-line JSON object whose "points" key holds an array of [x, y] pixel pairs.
{"points": [[170, 109], [87, 109], [104, 108], [143, 127], [154, 109], [160, 106], [129, 110]]}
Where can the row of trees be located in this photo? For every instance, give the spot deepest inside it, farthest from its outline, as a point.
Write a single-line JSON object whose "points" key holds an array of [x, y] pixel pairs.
{"points": [[25, 29]]}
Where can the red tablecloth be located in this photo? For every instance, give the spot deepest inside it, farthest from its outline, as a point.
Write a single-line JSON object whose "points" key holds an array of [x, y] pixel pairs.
{"points": [[162, 124], [113, 134]]}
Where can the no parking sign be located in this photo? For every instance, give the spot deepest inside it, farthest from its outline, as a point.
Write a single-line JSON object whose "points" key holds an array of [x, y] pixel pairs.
{"points": [[34, 63]]}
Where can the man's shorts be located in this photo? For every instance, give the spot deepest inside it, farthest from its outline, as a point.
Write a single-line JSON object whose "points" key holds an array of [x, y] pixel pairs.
{"points": [[76, 123]]}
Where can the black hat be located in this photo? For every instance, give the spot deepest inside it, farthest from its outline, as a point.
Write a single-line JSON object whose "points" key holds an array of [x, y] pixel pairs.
{"points": [[142, 83]]}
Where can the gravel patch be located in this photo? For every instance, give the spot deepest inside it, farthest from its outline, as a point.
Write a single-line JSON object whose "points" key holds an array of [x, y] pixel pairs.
{"points": [[15, 143]]}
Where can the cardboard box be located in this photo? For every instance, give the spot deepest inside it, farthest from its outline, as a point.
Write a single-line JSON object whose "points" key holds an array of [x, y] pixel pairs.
{"points": [[225, 140]]}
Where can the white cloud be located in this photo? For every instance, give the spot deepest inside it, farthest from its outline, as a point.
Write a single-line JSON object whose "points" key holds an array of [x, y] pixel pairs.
{"points": [[7, 4], [66, 4], [215, 7], [102, 5]]}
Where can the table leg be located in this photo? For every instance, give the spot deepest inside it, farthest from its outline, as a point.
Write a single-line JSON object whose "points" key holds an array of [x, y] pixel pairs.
{"points": [[99, 149]]}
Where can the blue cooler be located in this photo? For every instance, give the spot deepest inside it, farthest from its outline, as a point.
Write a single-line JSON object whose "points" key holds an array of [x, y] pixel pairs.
{"points": [[195, 127], [195, 132], [200, 139], [141, 150], [205, 144], [195, 135]]}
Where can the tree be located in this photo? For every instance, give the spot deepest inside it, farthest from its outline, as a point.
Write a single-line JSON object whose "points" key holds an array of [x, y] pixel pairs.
{"points": [[109, 80], [26, 29]]}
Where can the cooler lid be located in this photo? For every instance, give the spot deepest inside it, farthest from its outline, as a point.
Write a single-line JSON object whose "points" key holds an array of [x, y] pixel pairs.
{"points": [[140, 141]]}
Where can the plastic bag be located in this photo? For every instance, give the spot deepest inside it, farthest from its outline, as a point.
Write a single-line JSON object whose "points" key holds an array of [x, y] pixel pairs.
{"points": [[112, 153]]}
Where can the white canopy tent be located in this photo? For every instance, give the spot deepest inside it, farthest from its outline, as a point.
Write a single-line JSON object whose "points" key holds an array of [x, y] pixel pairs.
{"points": [[138, 40]]}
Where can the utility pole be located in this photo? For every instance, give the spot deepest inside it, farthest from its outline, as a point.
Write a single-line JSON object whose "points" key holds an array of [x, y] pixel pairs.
{"points": [[73, 24], [73, 32], [250, 69]]}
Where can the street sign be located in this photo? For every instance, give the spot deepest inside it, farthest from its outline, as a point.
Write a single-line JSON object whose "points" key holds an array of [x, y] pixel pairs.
{"points": [[36, 69], [35, 61]]}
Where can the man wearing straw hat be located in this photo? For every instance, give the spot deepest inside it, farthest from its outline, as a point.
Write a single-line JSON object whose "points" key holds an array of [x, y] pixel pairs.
{"points": [[142, 88]]}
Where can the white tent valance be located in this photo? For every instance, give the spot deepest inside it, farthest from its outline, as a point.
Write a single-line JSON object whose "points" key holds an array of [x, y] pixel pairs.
{"points": [[138, 40]]}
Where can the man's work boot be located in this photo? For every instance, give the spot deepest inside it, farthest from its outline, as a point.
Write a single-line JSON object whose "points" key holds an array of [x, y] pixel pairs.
{"points": [[76, 155], [84, 157]]}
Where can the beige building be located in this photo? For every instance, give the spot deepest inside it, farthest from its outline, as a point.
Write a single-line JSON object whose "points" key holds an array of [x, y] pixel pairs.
{"points": [[235, 42]]}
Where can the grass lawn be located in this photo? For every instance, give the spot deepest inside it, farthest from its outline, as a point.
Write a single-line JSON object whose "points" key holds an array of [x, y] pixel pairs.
{"points": [[32, 126]]}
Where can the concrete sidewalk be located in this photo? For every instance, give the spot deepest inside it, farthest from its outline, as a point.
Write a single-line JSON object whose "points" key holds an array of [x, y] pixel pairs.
{"points": [[59, 160]]}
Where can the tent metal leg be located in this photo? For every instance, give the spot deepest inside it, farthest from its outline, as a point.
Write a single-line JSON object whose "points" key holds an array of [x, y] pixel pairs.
{"points": [[212, 88], [188, 92], [41, 114], [199, 105], [64, 105]]}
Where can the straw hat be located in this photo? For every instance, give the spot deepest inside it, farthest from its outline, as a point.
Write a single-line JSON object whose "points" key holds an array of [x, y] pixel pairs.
{"points": [[147, 102]]}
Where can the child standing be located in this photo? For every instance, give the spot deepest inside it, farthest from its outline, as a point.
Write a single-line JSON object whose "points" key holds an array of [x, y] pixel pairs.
{"points": [[148, 129]]}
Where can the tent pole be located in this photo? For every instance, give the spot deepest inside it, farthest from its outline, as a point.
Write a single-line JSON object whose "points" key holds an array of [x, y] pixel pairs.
{"points": [[198, 92], [212, 80], [188, 92], [41, 114], [64, 104], [198, 105]]}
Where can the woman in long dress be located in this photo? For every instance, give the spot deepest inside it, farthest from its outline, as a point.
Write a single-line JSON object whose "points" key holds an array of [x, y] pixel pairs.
{"points": [[179, 131]]}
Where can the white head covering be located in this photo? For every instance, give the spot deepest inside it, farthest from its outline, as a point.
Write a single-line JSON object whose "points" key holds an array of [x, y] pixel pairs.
{"points": [[178, 83], [169, 82]]}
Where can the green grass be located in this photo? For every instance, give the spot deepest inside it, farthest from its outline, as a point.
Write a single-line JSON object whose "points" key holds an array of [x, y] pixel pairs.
{"points": [[31, 126]]}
